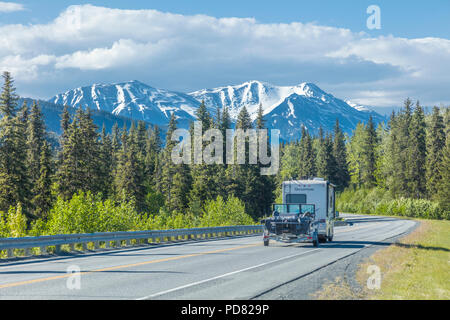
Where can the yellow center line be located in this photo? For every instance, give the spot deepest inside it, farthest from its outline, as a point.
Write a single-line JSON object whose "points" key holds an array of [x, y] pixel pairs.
{"points": [[15, 284]]}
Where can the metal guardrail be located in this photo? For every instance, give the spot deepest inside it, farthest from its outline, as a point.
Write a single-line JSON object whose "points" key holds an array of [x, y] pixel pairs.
{"points": [[115, 239]]}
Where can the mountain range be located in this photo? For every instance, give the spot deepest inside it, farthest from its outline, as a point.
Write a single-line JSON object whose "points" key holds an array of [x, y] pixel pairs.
{"points": [[286, 108]]}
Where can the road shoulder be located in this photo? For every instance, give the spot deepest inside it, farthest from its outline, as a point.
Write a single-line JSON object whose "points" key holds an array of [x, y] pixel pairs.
{"points": [[310, 287]]}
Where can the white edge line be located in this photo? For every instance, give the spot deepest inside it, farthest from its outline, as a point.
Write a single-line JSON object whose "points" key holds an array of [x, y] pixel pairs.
{"points": [[222, 276]]}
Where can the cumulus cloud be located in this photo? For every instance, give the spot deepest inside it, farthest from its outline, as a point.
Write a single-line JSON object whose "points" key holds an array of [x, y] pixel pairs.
{"points": [[10, 7], [86, 44]]}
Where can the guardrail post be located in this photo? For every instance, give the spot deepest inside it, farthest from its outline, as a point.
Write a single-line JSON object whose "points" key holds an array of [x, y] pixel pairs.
{"points": [[9, 253], [72, 247], [43, 250], [96, 245], [84, 246], [58, 249]]}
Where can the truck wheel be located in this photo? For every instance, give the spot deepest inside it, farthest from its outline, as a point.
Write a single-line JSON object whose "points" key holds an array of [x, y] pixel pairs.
{"points": [[322, 239], [330, 238]]}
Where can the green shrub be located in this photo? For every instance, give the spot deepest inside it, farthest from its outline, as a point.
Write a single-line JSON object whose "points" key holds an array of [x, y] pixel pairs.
{"points": [[86, 213], [13, 223], [225, 213], [379, 201]]}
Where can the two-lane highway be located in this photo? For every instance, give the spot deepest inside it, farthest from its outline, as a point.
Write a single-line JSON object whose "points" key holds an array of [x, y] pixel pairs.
{"points": [[232, 268]]}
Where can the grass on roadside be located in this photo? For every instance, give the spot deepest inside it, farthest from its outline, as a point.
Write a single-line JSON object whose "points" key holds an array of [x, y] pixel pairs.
{"points": [[416, 267]]}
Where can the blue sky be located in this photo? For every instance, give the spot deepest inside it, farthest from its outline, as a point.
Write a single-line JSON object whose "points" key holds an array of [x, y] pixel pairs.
{"points": [[403, 18], [53, 46]]}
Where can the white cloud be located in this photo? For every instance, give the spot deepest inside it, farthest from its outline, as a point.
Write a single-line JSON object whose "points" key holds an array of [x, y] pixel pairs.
{"points": [[10, 7], [25, 69], [89, 43]]}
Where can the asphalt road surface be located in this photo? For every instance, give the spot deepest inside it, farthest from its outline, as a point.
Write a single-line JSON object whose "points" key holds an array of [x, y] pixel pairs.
{"points": [[231, 268]]}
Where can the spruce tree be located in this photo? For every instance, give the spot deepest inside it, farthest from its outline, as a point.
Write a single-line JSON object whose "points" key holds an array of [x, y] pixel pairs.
{"points": [[403, 124], [443, 187], [42, 195], [260, 122], [80, 160], [204, 186], [153, 149], [435, 145], [14, 181], [35, 142], [417, 154], [307, 157], [342, 176], [266, 183], [245, 180], [106, 164], [129, 180], [8, 97], [324, 154], [225, 123], [369, 154], [175, 179]]}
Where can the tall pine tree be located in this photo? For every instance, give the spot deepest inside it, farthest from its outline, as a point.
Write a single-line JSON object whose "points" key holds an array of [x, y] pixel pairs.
{"points": [[435, 145], [14, 181]]}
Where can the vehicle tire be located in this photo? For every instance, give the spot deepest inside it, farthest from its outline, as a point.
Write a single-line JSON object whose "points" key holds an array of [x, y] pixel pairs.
{"points": [[266, 243], [330, 238], [322, 239]]}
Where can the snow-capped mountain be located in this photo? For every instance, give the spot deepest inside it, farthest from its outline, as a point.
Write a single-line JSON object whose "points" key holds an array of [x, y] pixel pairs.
{"points": [[287, 108], [133, 99], [253, 93]]}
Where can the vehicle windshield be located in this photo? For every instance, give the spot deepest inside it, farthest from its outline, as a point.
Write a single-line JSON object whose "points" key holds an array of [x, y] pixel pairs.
{"points": [[294, 208]]}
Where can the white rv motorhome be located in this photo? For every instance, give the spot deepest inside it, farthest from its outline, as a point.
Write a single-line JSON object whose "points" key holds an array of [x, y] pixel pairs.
{"points": [[318, 192]]}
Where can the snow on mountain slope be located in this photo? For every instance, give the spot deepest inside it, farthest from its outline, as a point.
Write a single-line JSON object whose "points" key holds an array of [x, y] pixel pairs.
{"points": [[286, 108], [357, 106], [253, 93], [298, 111], [132, 99]]}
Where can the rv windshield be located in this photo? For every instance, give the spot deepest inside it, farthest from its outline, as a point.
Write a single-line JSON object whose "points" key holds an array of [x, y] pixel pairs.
{"points": [[293, 208]]}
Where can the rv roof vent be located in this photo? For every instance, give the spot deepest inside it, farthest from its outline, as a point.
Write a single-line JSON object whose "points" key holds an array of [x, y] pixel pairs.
{"points": [[318, 179]]}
